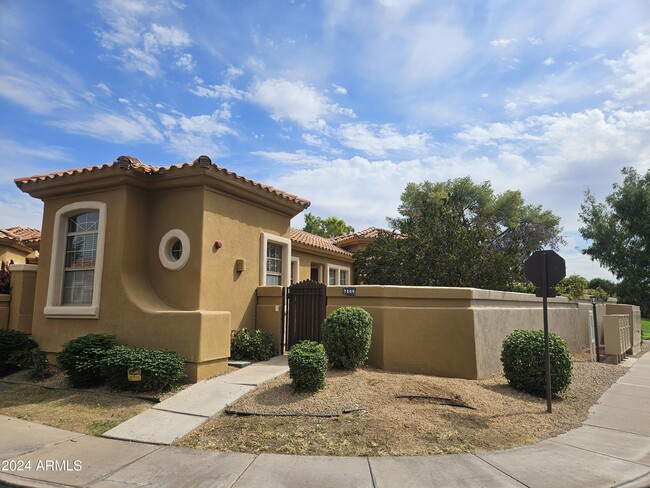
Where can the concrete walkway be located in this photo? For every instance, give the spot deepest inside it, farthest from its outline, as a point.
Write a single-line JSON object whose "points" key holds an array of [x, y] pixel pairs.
{"points": [[177, 416], [612, 448]]}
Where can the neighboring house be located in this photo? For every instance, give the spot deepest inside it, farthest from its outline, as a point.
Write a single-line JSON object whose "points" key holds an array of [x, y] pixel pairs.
{"points": [[358, 241], [167, 257], [19, 244], [317, 258]]}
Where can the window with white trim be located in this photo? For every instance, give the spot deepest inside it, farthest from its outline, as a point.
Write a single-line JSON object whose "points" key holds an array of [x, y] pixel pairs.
{"points": [[343, 277], [273, 264], [74, 285], [80, 256], [275, 260], [337, 275]]}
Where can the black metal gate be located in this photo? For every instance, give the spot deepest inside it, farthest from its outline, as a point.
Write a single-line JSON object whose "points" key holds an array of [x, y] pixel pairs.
{"points": [[306, 302]]}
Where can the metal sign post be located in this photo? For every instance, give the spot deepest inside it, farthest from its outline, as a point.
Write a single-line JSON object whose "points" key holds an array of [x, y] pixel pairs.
{"points": [[545, 269]]}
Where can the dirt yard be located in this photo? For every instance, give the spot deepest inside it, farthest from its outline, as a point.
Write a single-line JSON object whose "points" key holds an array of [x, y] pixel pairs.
{"points": [[503, 417]]}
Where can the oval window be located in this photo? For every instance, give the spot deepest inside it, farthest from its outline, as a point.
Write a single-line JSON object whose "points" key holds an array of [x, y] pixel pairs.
{"points": [[174, 249]]}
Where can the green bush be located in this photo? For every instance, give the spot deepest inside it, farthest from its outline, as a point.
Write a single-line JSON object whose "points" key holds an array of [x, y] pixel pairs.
{"points": [[257, 346], [159, 370], [81, 358], [35, 361], [573, 287], [307, 366], [600, 294], [12, 344], [346, 336], [522, 357], [521, 287]]}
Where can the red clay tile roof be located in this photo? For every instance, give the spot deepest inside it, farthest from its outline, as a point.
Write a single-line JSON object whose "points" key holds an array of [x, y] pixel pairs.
{"points": [[134, 164], [369, 233], [23, 234], [302, 237]]}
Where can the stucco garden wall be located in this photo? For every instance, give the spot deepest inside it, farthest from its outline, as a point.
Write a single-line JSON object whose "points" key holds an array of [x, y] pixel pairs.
{"points": [[23, 286], [269, 312], [4, 310], [455, 332]]}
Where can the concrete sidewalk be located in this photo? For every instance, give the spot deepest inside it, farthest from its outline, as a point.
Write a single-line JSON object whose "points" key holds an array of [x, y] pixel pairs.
{"points": [[612, 448]]}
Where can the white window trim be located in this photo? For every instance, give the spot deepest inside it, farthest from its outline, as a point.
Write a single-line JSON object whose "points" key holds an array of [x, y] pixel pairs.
{"points": [[165, 253], [53, 307], [295, 269], [286, 258], [338, 270]]}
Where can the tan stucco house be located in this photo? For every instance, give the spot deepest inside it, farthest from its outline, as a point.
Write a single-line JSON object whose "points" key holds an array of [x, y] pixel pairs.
{"points": [[19, 244], [167, 257]]}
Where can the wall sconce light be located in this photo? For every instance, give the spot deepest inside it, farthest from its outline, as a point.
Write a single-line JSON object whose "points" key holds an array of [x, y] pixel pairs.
{"points": [[240, 265], [218, 244]]}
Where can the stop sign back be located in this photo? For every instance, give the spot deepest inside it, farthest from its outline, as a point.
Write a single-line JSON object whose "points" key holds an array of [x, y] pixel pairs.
{"points": [[555, 268]]}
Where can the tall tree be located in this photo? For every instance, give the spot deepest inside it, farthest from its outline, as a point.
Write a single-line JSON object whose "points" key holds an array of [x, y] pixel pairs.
{"points": [[327, 227], [457, 233], [618, 232]]}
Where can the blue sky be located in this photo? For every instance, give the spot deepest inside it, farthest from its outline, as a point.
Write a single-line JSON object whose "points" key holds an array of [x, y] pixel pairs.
{"points": [[340, 102]]}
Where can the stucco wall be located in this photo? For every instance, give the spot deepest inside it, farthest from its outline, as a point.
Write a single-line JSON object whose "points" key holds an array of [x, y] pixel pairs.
{"points": [[239, 226], [454, 332], [23, 286], [4, 310], [141, 303], [307, 259], [269, 312], [8, 253]]}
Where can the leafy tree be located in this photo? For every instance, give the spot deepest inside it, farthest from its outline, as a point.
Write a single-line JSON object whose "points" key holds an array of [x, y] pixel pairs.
{"points": [[327, 227], [573, 287], [606, 285], [458, 233], [618, 232]]}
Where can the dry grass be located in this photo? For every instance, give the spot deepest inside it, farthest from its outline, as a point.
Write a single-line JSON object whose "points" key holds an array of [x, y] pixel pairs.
{"points": [[503, 417], [90, 413]]}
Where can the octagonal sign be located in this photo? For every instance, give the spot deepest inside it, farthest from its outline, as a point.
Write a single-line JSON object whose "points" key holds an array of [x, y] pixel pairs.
{"points": [[555, 268]]}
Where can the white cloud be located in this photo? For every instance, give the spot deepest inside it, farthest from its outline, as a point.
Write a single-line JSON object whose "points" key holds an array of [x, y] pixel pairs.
{"points": [[125, 101], [36, 93], [186, 62], [161, 37], [534, 41], [116, 128], [233, 72], [223, 92], [301, 157], [135, 46], [197, 134], [502, 42], [633, 68], [104, 88], [549, 61], [379, 140], [296, 102], [339, 89]]}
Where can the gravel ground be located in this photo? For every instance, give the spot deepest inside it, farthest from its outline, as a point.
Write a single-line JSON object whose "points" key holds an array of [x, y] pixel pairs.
{"points": [[503, 418]]}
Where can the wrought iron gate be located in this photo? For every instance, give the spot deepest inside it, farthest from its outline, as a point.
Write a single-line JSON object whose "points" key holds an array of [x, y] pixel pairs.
{"points": [[306, 302]]}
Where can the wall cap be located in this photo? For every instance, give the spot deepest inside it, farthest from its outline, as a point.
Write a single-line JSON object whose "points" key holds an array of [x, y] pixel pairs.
{"points": [[5, 298], [24, 267]]}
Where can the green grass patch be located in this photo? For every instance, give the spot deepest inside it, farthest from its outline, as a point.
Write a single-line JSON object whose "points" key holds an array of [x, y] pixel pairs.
{"points": [[645, 329]]}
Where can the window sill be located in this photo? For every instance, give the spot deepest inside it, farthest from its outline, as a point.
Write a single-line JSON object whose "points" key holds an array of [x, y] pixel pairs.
{"points": [[89, 312]]}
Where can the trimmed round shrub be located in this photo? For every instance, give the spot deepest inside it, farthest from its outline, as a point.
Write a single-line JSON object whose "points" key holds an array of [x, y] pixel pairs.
{"points": [[257, 346], [13, 345], [81, 358], [307, 366], [346, 336], [522, 357], [159, 370]]}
